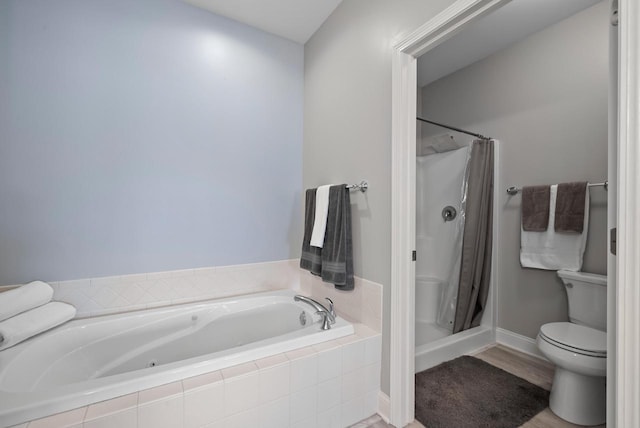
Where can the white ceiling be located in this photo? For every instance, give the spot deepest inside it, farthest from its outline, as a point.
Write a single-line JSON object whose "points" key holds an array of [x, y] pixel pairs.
{"points": [[295, 20], [509, 24]]}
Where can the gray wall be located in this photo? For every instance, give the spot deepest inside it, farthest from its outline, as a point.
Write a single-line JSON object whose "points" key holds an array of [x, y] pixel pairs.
{"points": [[347, 121], [141, 136], [545, 99]]}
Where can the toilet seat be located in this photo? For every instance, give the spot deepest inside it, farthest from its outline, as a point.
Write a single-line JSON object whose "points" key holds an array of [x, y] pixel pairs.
{"points": [[575, 338]]}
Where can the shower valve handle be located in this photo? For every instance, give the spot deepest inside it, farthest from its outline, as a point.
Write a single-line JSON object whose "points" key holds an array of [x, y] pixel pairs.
{"points": [[449, 213]]}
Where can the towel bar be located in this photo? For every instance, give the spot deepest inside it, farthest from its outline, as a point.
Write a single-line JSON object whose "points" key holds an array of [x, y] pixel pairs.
{"points": [[363, 186], [513, 190]]}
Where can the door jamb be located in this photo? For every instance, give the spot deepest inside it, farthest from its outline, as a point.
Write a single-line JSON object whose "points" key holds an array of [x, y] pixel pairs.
{"points": [[404, 84]]}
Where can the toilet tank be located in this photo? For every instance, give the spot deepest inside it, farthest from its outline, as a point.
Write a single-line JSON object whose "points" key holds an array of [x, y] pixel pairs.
{"points": [[587, 296]]}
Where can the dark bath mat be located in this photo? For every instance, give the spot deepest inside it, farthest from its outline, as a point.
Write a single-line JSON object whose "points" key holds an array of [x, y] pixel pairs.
{"points": [[467, 392]]}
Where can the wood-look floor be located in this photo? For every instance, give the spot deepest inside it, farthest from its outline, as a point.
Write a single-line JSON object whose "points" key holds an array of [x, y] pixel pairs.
{"points": [[377, 422], [534, 370]]}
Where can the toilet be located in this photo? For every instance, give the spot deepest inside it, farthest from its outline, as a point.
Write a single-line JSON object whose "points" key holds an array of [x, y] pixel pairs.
{"points": [[579, 350]]}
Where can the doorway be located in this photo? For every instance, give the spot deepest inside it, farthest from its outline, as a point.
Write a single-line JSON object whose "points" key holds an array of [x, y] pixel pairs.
{"points": [[405, 77]]}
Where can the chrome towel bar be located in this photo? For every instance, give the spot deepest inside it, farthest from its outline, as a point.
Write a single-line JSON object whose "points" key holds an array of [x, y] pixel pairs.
{"points": [[513, 190], [362, 186]]}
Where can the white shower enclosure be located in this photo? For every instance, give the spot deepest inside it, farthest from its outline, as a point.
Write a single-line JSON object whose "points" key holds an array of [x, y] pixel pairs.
{"points": [[439, 227]]}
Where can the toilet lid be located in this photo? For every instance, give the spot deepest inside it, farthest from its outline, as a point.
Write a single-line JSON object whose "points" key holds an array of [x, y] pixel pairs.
{"points": [[581, 339]]}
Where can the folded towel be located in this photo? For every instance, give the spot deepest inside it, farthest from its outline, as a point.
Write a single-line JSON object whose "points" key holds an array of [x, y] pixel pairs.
{"points": [[310, 259], [23, 298], [551, 250], [27, 324], [320, 220], [570, 207], [535, 208], [337, 253]]}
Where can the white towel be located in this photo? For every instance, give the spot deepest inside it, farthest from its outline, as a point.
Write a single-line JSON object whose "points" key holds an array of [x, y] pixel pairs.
{"points": [[23, 298], [320, 221], [551, 250], [27, 324]]}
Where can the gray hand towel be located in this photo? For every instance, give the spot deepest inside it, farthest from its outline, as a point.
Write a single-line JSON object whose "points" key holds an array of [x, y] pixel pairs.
{"points": [[570, 206], [535, 208], [337, 252], [311, 257]]}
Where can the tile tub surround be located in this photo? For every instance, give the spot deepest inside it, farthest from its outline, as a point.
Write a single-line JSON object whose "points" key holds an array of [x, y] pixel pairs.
{"points": [[331, 384], [114, 294], [363, 304]]}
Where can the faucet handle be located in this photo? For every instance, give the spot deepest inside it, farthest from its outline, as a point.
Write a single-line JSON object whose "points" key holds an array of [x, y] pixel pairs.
{"points": [[331, 309], [326, 321]]}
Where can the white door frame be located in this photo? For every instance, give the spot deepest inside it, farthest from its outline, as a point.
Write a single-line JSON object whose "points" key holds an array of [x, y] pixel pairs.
{"points": [[404, 84], [627, 341]]}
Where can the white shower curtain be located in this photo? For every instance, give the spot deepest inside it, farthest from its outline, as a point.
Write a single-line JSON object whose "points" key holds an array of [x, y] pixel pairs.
{"points": [[449, 293]]}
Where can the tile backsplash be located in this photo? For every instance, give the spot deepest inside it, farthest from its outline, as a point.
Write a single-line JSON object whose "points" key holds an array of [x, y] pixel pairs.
{"points": [[107, 295], [113, 294], [362, 304]]}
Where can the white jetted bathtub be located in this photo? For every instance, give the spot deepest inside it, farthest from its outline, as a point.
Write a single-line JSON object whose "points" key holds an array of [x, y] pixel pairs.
{"points": [[90, 360]]}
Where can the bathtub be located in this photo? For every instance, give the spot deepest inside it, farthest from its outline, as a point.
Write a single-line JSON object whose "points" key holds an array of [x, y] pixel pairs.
{"points": [[95, 359]]}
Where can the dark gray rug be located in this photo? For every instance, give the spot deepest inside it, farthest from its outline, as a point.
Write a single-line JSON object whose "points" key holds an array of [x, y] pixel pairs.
{"points": [[467, 392]]}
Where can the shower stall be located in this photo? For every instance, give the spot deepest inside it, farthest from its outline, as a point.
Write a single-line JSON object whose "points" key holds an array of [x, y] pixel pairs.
{"points": [[439, 223], [442, 180]]}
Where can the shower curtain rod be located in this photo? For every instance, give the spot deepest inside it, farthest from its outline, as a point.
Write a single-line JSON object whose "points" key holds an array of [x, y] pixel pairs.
{"points": [[453, 128]]}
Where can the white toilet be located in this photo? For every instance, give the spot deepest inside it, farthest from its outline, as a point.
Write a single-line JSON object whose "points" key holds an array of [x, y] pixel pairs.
{"points": [[579, 351]]}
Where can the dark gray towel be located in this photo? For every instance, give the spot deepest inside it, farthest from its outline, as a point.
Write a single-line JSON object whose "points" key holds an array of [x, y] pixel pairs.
{"points": [[570, 206], [334, 261], [337, 253], [535, 208], [311, 258]]}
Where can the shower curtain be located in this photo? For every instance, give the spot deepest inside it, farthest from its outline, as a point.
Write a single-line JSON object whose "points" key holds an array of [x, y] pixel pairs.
{"points": [[475, 266], [449, 292]]}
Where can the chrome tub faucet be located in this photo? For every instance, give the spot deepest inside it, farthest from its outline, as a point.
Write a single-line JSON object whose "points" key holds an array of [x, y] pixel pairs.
{"points": [[328, 314]]}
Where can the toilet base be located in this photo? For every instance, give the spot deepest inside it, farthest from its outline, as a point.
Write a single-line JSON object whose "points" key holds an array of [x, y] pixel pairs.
{"points": [[579, 399]]}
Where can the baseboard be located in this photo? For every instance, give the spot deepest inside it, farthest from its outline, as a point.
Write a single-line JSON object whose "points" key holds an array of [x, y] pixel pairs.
{"points": [[384, 404], [518, 342]]}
